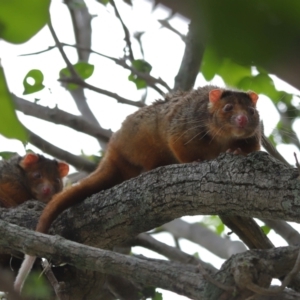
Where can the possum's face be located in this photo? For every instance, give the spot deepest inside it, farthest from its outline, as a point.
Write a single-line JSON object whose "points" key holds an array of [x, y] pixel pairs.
{"points": [[44, 176], [233, 114]]}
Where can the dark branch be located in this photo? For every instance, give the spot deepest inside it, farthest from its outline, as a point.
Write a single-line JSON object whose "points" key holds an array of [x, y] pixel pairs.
{"points": [[190, 64], [57, 116], [78, 162], [126, 31], [84, 84]]}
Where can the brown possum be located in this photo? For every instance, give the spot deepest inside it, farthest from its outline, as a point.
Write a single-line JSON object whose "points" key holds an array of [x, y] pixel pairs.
{"points": [[30, 177], [182, 128]]}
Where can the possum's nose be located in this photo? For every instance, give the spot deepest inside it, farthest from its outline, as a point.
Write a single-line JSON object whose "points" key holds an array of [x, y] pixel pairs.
{"points": [[46, 190], [241, 121]]}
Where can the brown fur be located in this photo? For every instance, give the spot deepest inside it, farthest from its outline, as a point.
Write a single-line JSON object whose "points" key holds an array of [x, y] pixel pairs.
{"points": [[28, 177], [179, 129], [182, 128]]}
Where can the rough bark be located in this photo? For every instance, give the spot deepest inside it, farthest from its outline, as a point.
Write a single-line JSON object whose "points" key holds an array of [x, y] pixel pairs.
{"points": [[255, 266], [115, 216]]}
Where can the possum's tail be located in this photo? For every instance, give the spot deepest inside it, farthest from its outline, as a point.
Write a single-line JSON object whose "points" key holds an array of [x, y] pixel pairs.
{"points": [[23, 272], [112, 170]]}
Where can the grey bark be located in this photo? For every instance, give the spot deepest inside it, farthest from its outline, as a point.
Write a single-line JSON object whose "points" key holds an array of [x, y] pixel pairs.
{"points": [[115, 216]]}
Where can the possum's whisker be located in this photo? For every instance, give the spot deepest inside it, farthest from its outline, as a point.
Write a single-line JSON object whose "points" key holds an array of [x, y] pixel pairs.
{"points": [[198, 126], [206, 132], [216, 133]]}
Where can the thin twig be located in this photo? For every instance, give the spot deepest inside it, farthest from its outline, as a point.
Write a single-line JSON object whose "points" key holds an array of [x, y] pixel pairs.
{"points": [[150, 80], [126, 31], [137, 36], [120, 99], [57, 286], [39, 52], [63, 54], [166, 24]]}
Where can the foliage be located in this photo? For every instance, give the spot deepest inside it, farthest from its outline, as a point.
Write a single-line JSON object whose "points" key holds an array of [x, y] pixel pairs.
{"points": [[38, 78], [9, 125], [21, 19], [237, 47]]}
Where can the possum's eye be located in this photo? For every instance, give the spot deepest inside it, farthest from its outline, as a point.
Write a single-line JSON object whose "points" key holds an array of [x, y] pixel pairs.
{"points": [[228, 107], [37, 175], [251, 111]]}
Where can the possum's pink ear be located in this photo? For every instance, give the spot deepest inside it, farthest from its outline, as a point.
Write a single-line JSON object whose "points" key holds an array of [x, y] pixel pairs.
{"points": [[253, 96], [28, 160], [215, 95], [63, 169]]}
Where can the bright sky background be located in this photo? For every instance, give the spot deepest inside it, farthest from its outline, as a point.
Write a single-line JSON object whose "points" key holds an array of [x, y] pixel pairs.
{"points": [[163, 50]]}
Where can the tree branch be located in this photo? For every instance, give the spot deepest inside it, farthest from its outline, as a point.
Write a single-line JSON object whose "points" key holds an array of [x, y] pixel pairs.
{"points": [[84, 84], [204, 237], [126, 31], [169, 192], [57, 116], [190, 64], [179, 278], [78, 162], [77, 94], [285, 230], [147, 241]]}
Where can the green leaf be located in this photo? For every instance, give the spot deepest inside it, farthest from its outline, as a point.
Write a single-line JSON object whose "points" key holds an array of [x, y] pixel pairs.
{"points": [[266, 229], [263, 84], [213, 222], [22, 19], [38, 78], [104, 2], [158, 296], [211, 63], [10, 126], [83, 69], [232, 73], [143, 67], [7, 154]]}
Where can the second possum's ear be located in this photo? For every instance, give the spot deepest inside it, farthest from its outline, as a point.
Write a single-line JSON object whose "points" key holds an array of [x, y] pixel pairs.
{"points": [[215, 95], [28, 159], [253, 96], [63, 169]]}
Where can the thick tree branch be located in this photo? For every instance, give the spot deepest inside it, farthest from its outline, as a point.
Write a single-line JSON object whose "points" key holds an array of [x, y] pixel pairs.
{"points": [[147, 241], [285, 230], [190, 64], [204, 237], [239, 271], [81, 20], [117, 215], [57, 116], [170, 192]]}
